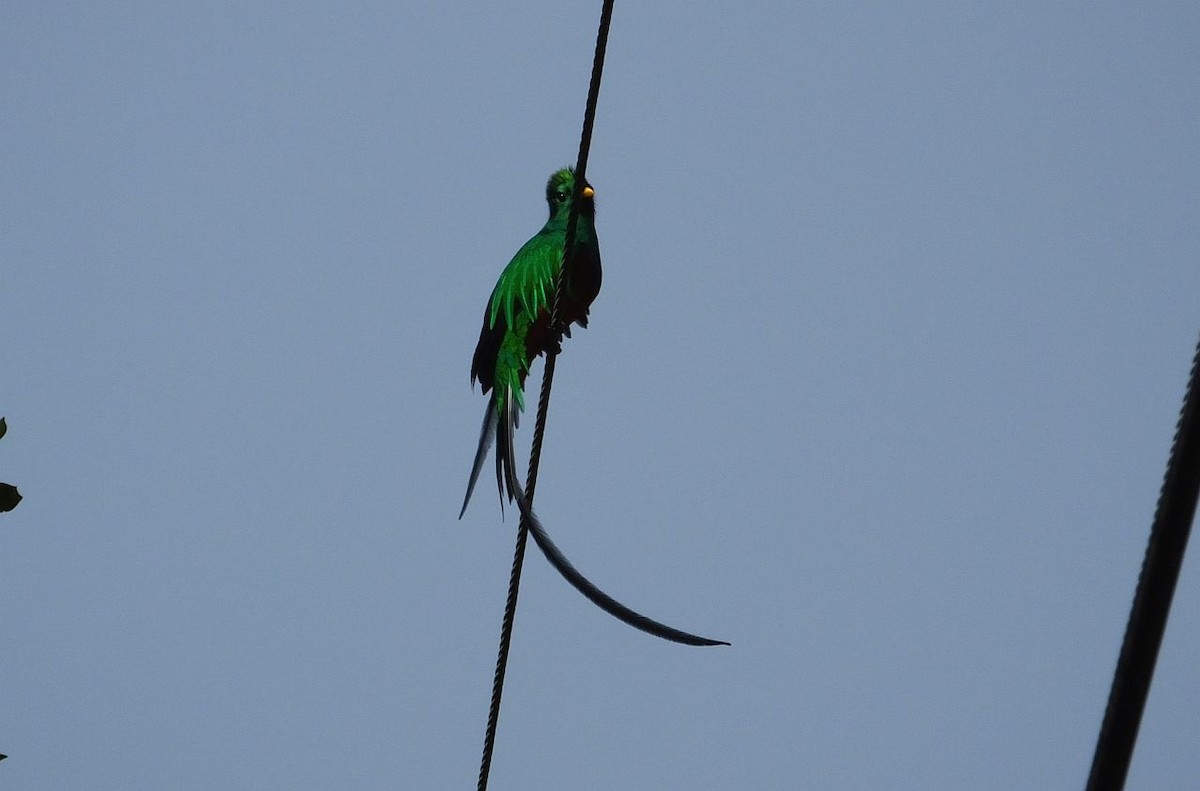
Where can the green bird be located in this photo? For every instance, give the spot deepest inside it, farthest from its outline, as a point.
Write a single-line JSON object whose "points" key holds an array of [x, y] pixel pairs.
{"points": [[516, 321], [516, 330]]}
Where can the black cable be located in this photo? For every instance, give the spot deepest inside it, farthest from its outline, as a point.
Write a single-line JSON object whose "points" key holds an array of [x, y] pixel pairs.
{"points": [[1152, 601], [514, 581]]}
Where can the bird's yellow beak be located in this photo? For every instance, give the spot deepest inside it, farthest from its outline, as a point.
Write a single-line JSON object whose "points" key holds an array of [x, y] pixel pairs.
{"points": [[588, 192]]}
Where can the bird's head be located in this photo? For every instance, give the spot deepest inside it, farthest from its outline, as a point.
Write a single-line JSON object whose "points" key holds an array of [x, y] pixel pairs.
{"points": [[559, 190]]}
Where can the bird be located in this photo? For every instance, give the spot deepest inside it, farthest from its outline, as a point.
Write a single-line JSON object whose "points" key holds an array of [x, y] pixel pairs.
{"points": [[516, 321], [518, 327]]}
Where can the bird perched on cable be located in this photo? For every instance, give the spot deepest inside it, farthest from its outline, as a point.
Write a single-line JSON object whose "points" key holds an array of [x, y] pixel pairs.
{"points": [[517, 328], [516, 321]]}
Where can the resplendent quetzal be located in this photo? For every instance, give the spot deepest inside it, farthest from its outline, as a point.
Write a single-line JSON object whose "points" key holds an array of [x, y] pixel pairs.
{"points": [[516, 321], [516, 330]]}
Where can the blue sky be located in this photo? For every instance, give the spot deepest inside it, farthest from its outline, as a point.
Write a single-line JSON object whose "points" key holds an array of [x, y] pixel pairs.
{"points": [[898, 307]]}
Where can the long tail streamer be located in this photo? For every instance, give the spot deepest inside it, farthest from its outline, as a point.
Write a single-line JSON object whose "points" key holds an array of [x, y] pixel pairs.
{"points": [[565, 567], [486, 436]]}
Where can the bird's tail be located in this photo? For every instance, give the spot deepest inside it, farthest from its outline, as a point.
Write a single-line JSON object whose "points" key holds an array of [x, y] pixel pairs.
{"points": [[506, 463], [500, 421], [486, 435], [508, 414]]}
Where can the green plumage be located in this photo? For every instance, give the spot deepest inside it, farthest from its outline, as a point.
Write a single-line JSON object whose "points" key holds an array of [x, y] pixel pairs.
{"points": [[516, 322]]}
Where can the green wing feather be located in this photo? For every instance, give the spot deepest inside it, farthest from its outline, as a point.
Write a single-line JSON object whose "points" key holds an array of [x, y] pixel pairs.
{"points": [[520, 294], [527, 278]]}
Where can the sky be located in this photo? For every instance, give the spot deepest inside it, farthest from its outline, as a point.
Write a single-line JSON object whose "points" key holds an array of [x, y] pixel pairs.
{"points": [[899, 304]]}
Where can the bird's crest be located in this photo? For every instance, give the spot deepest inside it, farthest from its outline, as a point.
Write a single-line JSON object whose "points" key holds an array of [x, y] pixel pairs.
{"points": [[562, 181]]}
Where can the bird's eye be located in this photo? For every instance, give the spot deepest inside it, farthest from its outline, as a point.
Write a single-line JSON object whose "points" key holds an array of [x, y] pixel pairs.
{"points": [[560, 195]]}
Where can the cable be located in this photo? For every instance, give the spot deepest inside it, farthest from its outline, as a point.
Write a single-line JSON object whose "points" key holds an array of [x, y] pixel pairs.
{"points": [[535, 453], [1152, 601]]}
